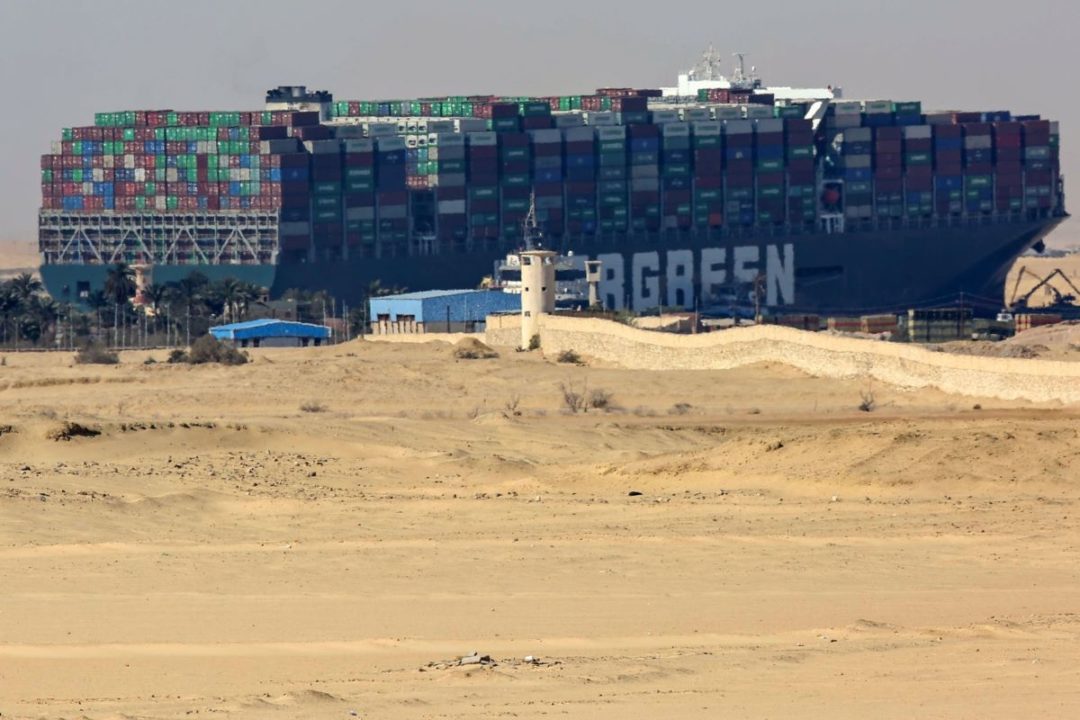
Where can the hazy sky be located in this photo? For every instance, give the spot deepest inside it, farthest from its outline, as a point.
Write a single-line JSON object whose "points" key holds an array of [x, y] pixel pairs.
{"points": [[62, 60]]}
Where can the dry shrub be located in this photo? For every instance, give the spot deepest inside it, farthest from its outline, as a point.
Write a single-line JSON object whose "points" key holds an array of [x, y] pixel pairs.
{"points": [[680, 409], [96, 354], [868, 402], [600, 399], [473, 349], [313, 406], [209, 349], [573, 400], [569, 357]]}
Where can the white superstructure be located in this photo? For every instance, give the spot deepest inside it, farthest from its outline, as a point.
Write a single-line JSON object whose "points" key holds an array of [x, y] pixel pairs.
{"points": [[708, 74]]}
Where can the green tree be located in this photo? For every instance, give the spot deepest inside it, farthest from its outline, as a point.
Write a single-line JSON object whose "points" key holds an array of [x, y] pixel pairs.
{"points": [[119, 288]]}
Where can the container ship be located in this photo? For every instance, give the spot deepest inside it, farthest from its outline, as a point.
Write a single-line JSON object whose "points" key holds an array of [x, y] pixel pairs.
{"points": [[688, 196]]}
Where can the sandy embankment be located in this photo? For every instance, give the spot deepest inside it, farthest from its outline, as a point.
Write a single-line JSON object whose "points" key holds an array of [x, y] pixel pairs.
{"points": [[216, 550]]}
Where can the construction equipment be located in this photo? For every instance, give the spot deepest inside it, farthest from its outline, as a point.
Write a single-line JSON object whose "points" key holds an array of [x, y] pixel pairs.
{"points": [[1060, 298]]}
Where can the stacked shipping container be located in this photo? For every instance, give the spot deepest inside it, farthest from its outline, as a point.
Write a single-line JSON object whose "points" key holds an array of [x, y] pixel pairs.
{"points": [[373, 188]]}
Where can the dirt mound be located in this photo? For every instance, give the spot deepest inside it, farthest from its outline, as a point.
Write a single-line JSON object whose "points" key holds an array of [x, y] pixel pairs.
{"points": [[71, 430], [473, 349]]}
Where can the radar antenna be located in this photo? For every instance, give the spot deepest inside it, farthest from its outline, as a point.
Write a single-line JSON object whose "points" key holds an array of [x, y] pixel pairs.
{"points": [[708, 68], [741, 79]]}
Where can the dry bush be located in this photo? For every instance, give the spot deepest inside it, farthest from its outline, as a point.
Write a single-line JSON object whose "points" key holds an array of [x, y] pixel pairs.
{"points": [[868, 402], [680, 409], [473, 349], [313, 406], [569, 357], [573, 400], [600, 399], [644, 411], [209, 349], [534, 342], [96, 354], [512, 405]]}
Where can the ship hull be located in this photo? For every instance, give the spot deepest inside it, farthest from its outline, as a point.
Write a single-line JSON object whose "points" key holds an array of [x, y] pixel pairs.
{"points": [[843, 273]]}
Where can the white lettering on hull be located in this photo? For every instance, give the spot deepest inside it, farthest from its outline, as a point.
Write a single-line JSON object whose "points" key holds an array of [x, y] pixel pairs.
{"points": [[719, 272], [680, 278], [612, 281], [646, 281]]}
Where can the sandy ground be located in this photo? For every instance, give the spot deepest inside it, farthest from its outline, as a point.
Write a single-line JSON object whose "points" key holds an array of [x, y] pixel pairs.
{"points": [[18, 257], [218, 552]]}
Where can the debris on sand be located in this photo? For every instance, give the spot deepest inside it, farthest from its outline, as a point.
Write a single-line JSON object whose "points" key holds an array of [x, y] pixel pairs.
{"points": [[472, 349], [70, 430], [473, 658]]}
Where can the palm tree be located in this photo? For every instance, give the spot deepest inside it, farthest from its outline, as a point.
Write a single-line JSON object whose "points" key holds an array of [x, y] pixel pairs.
{"points": [[97, 301], [9, 306], [119, 288], [187, 292], [156, 296], [25, 286]]}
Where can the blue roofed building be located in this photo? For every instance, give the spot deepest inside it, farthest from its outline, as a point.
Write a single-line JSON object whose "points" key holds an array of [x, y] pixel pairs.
{"points": [[269, 332], [438, 311]]}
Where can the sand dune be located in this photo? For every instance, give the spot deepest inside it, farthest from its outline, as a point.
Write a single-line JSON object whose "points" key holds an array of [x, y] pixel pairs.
{"points": [[217, 550]]}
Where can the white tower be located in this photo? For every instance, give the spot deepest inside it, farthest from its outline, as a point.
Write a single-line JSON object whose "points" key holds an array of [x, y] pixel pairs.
{"points": [[592, 277], [537, 291]]}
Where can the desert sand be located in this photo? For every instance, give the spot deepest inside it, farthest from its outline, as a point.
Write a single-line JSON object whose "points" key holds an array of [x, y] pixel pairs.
{"points": [[218, 551]]}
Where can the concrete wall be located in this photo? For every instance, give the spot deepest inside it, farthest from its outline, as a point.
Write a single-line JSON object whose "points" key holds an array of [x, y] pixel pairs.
{"points": [[818, 354]]}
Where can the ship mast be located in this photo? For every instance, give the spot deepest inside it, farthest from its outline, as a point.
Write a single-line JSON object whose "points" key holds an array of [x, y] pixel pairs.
{"points": [[531, 230]]}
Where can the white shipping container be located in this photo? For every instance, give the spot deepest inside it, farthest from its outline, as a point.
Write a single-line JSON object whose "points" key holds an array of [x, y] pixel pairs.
{"points": [[727, 112], [570, 120], [645, 184], [140, 174], [757, 112], [676, 129], [482, 139], [847, 121], [878, 107], [662, 117], [579, 134], [451, 207], [468, 125], [978, 142], [771, 125], [323, 147], [171, 175], [440, 127], [859, 134], [359, 146], [607, 134], [389, 144], [540, 137], [452, 180], [707, 128], [600, 119], [644, 171], [918, 132], [298, 228], [939, 119], [159, 202], [849, 107], [393, 212], [738, 127], [129, 163], [857, 162], [381, 130], [697, 114], [88, 188], [109, 161], [448, 140]]}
